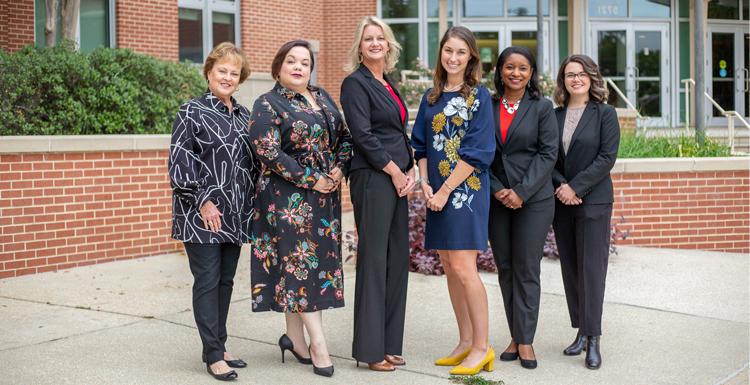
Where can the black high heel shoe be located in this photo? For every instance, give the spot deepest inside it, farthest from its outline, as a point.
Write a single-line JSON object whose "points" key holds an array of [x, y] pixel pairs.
{"points": [[285, 343], [325, 372], [528, 364], [578, 345], [231, 363], [593, 354], [228, 376]]}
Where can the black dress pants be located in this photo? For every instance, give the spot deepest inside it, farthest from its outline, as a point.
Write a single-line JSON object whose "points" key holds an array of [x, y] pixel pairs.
{"points": [[213, 267], [382, 220], [583, 234], [517, 239]]}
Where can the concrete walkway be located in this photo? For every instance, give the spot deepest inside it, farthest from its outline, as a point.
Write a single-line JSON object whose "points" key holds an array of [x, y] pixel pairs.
{"points": [[671, 317]]}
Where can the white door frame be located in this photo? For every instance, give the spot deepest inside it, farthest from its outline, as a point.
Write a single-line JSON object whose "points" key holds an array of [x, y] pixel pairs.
{"points": [[505, 30], [740, 74]]}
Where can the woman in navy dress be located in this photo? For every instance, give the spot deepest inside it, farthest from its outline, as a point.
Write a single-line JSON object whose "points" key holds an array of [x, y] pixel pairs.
{"points": [[454, 144]]}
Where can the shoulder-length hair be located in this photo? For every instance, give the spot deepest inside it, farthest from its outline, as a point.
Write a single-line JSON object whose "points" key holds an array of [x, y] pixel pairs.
{"points": [[532, 88], [473, 72], [394, 48], [278, 60], [227, 50], [597, 92]]}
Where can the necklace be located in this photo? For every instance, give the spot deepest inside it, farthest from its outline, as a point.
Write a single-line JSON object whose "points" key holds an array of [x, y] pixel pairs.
{"points": [[511, 109], [454, 88]]}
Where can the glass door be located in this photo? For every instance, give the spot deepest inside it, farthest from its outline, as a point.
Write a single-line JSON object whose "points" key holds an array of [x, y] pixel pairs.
{"points": [[727, 64], [493, 38], [635, 58]]}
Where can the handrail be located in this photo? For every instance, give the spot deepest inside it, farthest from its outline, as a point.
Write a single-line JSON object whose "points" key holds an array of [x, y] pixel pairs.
{"points": [[730, 115], [622, 96]]}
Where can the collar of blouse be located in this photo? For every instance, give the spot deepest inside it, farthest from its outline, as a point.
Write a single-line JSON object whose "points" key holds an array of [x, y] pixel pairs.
{"points": [[290, 94], [215, 103]]}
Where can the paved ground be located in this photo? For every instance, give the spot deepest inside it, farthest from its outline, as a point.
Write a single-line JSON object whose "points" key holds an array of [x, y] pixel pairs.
{"points": [[671, 317]]}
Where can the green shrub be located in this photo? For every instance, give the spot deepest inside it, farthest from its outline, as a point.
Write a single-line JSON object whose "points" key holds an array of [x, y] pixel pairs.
{"points": [[59, 91], [638, 146]]}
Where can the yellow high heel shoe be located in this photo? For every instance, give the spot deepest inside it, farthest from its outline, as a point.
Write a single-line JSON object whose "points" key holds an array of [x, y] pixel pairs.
{"points": [[454, 360], [487, 363]]}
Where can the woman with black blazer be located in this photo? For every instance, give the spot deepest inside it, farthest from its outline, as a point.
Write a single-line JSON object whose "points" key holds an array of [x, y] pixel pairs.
{"points": [[521, 184], [589, 139], [381, 174]]}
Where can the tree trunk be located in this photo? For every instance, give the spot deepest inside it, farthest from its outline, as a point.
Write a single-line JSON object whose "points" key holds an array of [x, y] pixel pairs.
{"points": [[71, 10], [50, 23]]}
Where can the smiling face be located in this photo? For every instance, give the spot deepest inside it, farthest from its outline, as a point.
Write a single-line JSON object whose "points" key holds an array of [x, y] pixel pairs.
{"points": [[374, 45], [577, 81], [454, 57], [295, 70], [224, 77], [516, 72]]}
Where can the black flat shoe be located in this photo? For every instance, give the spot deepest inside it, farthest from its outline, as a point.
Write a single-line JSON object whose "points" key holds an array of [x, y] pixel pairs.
{"points": [[593, 354], [285, 343], [232, 363], [508, 356], [228, 376], [578, 345]]}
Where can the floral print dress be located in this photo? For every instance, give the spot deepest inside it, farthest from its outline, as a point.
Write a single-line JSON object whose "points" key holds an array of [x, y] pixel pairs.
{"points": [[296, 236], [450, 130]]}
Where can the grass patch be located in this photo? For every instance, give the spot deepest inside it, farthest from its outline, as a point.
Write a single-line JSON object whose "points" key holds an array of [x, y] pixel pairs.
{"points": [[474, 380]]}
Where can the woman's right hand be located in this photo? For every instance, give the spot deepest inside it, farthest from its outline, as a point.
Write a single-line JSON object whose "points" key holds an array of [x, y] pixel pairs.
{"points": [[400, 182], [324, 185], [211, 217]]}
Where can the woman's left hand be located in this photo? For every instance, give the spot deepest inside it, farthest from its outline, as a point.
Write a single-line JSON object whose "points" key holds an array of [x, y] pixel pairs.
{"points": [[438, 200], [336, 175], [512, 200], [567, 196]]}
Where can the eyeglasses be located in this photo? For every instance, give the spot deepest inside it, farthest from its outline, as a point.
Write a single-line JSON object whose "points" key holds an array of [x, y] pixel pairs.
{"points": [[581, 76]]}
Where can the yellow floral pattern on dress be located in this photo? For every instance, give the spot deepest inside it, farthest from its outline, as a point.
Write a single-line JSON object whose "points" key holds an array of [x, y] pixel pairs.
{"points": [[474, 182], [438, 122], [445, 168], [451, 149], [457, 121]]}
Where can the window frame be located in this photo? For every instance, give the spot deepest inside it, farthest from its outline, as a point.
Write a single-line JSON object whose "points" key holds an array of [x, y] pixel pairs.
{"points": [[207, 8]]}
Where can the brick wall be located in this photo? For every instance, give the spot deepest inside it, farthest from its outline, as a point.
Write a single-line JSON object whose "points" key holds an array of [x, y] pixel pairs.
{"points": [[149, 27], [61, 210], [707, 210], [16, 24]]}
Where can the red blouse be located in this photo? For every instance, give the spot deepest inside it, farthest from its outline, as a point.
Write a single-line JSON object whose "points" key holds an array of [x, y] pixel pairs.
{"points": [[401, 108], [505, 120]]}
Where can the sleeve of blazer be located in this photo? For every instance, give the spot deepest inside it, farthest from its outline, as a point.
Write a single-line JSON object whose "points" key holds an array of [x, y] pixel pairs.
{"points": [[356, 105], [541, 166], [605, 159], [495, 184], [557, 178]]}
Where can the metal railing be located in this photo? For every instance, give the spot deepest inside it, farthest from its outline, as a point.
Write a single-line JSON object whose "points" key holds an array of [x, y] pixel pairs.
{"points": [[641, 119], [730, 115]]}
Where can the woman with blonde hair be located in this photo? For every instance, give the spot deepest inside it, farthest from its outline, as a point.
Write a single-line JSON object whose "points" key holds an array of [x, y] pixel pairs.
{"points": [[454, 144], [212, 173], [381, 175]]}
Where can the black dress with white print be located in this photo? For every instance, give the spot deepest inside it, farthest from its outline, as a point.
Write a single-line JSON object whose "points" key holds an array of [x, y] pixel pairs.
{"points": [[210, 159]]}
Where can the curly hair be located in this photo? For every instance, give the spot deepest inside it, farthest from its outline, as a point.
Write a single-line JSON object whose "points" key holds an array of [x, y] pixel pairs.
{"points": [[227, 50], [597, 92]]}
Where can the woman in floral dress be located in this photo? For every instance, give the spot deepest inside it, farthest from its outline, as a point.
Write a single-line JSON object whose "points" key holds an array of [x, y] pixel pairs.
{"points": [[454, 144], [302, 142]]}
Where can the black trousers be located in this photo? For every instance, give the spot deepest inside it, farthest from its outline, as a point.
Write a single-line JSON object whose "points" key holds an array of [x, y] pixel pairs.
{"points": [[517, 239], [213, 267], [382, 220], [583, 233]]}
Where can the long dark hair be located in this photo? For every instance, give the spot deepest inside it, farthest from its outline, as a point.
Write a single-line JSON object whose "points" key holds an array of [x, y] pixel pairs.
{"points": [[597, 91], [473, 72], [532, 88]]}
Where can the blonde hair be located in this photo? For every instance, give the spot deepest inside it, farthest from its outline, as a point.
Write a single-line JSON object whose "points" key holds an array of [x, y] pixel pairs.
{"points": [[224, 51], [394, 48]]}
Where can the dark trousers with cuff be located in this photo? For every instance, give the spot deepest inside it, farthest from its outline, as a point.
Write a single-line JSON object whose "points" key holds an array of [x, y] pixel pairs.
{"points": [[583, 235], [382, 220], [213, 267]]}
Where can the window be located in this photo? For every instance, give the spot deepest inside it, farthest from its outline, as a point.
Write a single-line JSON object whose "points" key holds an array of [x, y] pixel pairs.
{"points": [[724, 9], [95, 26], [203, 24]]}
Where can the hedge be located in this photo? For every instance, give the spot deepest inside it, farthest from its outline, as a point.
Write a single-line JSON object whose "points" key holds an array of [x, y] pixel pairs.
{"points": [[59, 91]]}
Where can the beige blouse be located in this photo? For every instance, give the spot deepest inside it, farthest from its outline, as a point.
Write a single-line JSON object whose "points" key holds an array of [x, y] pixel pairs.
{"points": [[572, 117]]}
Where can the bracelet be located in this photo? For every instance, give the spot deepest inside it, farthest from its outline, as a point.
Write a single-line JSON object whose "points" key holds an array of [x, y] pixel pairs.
{"points": [[448, 186], [420, 180]]}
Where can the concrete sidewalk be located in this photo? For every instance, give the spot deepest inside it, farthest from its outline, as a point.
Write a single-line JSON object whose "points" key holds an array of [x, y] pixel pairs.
{"points": [[671, 317]]}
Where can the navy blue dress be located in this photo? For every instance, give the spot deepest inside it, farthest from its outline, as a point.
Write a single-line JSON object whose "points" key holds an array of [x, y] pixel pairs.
{"points": [[451, 129]]}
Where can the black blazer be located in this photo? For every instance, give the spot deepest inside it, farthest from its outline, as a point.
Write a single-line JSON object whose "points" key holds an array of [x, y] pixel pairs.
{"points": [[375, 122], [591, 155], [526, 160]]}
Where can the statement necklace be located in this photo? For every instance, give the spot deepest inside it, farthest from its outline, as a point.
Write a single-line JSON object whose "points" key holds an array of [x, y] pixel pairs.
{"points": [[511, 109]]}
